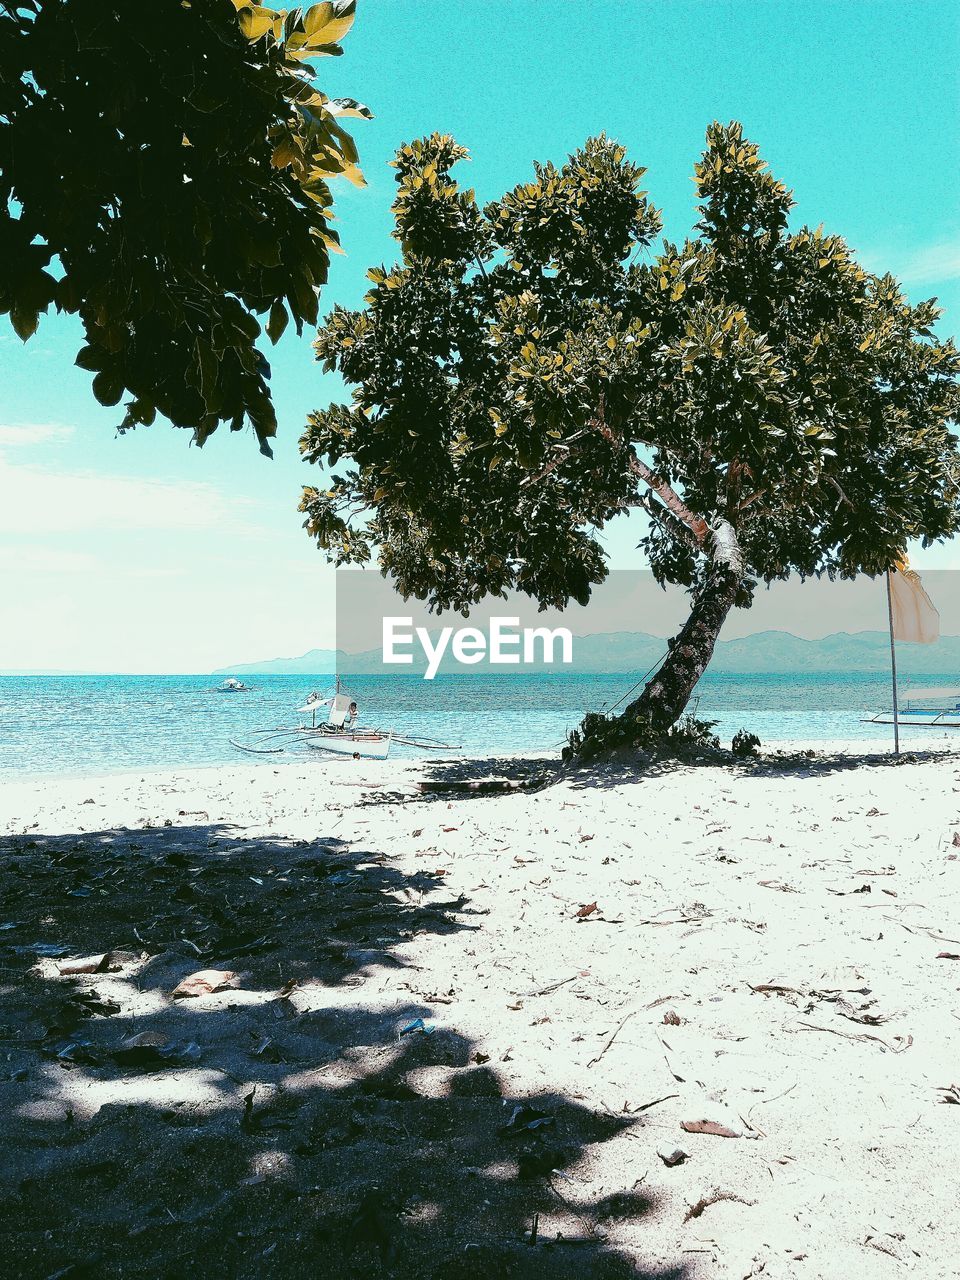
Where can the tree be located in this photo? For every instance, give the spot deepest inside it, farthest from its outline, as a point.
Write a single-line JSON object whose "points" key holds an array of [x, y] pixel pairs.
{"points": [[163, 174], [520, 379]]}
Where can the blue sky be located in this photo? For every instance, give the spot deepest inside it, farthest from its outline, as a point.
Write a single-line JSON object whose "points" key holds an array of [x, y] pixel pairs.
{"points": [[142, 553]]}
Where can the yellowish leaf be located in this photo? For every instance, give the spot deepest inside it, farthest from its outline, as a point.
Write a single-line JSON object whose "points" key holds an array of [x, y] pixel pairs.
{"points": [[255, 22], [324, 26]]}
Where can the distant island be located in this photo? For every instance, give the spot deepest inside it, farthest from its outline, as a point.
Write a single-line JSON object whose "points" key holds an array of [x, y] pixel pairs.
{"points": [[634, 652]]}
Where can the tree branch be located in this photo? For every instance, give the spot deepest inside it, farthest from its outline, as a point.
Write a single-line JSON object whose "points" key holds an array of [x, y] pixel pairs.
{"points": [[665, 517], [669, 497]]}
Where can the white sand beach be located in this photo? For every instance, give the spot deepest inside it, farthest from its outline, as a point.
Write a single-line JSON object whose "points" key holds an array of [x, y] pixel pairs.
{"points": [[772, 949]]}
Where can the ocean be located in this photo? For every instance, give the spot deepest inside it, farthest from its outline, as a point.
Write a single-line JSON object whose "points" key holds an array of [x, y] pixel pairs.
{"points": [[86, 725]]}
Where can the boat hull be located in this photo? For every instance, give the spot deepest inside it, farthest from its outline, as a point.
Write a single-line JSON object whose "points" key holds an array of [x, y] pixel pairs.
{"points": [[369, 746]]}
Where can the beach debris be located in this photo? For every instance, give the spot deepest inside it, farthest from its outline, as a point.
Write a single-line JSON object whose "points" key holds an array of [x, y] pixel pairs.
{"points": [[775, 988], [672, 1156], [948, 955], [554, 986], [203, 982], [76, 1052], [855, 1013], [951, 1093], [898, 1044], [716, 1121], [525, 1119], [620, 1027], [264, 1047], [87, 1004], [693, 913], [152, 1049], [892, 1243], [587, 909], [645, 1106], [714, 1197], [862, 1014], [418, 1024], [103, 963], [671, 1018]]}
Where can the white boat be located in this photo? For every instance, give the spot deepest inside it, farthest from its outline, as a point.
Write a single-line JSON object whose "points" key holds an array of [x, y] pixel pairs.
{"points": [[232, 685], [334, 727], [340, 732], [366, 744], [937, 708]]}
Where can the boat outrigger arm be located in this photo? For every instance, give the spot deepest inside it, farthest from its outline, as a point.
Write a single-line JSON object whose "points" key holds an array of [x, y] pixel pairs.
{"points": [[925, 708]]}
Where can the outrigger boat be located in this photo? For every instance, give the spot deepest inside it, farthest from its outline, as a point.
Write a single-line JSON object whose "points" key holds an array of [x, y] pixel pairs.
{"points": [[232, 685], [339, 733], [925, 708]]}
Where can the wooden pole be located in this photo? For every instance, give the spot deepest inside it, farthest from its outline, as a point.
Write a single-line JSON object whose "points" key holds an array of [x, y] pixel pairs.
{"points": [[893, 670]]}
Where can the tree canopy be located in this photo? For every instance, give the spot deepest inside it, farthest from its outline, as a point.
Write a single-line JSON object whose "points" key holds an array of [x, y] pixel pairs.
{"points": [[532, 369], [163, 174]]}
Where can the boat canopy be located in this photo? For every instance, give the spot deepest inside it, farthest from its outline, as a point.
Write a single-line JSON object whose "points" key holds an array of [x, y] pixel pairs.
{"points": [[315, 704], [338, 710], [942, 691]]}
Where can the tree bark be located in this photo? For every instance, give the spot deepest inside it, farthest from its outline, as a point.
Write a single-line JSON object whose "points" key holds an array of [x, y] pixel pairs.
{"points": [[666, 695]]}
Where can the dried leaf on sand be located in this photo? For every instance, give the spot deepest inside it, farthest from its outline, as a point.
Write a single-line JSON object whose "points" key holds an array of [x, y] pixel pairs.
{"points": [[203, 982]]}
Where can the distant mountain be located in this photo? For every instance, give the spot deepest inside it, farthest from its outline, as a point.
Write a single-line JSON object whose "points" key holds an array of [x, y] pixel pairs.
{"points": [[866, 651], [315, 662], [634, 652]]}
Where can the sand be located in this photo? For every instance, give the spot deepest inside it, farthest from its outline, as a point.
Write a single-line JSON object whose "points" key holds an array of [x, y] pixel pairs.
{"points": [[466, 1031]]}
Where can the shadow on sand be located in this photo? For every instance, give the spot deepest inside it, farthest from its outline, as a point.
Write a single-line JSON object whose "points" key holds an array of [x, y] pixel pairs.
{"points": [[535, 773], [285, 1126]]}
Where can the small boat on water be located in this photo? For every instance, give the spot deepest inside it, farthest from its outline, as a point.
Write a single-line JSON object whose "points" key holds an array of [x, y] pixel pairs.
{"points": [[334, 727], [340, 732], [232, 685], [937, 708]]}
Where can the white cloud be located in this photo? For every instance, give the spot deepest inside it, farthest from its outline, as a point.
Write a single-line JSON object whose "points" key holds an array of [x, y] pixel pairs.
{"points": [[36, 501], [27, 434], [45, 560], [932, 264]]}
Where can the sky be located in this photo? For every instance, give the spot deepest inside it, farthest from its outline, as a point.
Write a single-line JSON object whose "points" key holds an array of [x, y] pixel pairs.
{"points": [[142, 553]]}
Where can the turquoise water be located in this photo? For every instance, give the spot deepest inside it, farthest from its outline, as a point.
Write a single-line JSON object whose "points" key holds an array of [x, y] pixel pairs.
{"points": [[103, 724]]}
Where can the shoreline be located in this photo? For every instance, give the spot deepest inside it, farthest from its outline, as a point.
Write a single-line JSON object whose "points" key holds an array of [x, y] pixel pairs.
{"points": [[869, 748]]}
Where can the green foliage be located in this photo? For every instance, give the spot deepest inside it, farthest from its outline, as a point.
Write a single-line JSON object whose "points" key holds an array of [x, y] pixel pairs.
{"points": [[744, 744], [598, 735], [163, 174], [523, 376]]}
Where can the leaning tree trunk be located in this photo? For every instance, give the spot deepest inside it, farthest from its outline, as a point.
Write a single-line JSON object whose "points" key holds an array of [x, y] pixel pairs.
{"points": [[665, 696]]}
